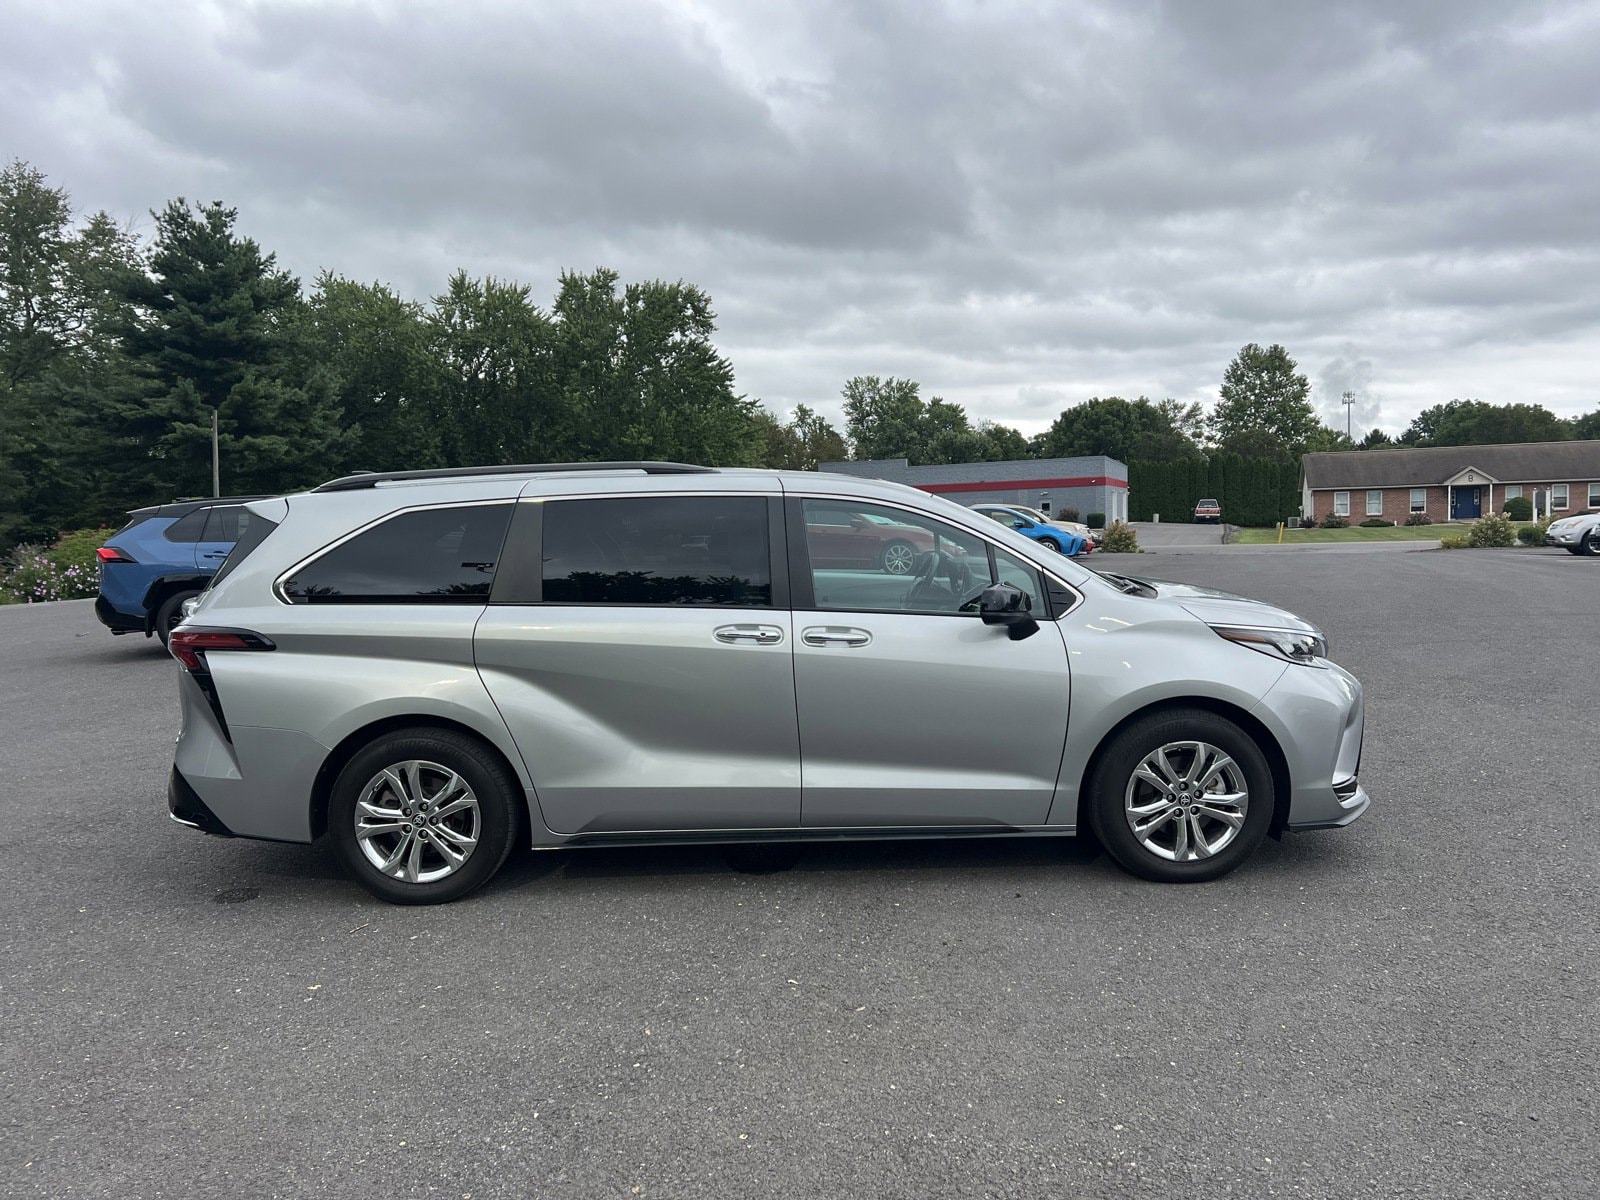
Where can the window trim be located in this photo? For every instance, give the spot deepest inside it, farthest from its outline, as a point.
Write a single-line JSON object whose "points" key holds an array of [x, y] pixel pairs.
{"points": [[1594, 495], [1416, 505], [799, 564], [1374, 512], [283, 598], [1341, 498], [523, 570], [1513, 491], [1566, 497]]}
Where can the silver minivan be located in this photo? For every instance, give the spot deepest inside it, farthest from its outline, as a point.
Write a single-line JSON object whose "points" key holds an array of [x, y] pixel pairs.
{"points": [[431, 668]]}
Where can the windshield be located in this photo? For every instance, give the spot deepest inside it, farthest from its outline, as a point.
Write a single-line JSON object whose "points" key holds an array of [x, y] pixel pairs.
{"points": [[1033, 514]]}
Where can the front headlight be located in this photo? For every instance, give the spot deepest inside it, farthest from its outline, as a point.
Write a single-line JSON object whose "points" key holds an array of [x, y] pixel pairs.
{"points": [[1292, 645]]}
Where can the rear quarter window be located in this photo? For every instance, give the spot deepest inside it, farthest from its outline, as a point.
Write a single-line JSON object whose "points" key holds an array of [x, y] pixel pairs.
{"points": [[426, 556]]}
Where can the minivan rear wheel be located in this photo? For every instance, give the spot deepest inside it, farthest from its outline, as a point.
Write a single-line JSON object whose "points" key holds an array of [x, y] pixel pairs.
{"points": [[1181, 796], [423, 816]]}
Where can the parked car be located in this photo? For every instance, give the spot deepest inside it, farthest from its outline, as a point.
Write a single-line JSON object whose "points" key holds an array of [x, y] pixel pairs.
{"points": [[1208, 510], [1048, 534], [427, 668], [1092, 536], [164, 555], [1578, 535], [865, 541]]}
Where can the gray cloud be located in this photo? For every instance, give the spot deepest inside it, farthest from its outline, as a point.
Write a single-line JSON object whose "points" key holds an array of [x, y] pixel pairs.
{"points": [[1020, 205]]}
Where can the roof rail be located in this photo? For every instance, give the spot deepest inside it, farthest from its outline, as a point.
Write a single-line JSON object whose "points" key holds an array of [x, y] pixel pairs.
{"points": [[368, 479]]}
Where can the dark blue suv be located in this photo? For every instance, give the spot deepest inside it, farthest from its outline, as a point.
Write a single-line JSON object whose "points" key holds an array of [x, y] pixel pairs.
{"points": [[164, 555]]}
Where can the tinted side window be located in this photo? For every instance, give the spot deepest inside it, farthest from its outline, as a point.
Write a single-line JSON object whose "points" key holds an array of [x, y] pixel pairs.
{"points": [[226, 523], [706, 550], [187, 528], [428, 556]]}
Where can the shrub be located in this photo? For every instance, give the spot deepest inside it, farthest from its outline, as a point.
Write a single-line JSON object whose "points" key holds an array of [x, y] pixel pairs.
{"points": [[66, 571], [1120, 539], [1376, 523], [1419, 519], [1453, 541], [1533, 535], [1518, 508], [1095, 520], [1335, 521], [1067, 514], [1491, 530]]}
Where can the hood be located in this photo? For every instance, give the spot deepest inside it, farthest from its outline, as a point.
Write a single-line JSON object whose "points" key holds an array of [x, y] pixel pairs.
{"points": [[1224, 608]]}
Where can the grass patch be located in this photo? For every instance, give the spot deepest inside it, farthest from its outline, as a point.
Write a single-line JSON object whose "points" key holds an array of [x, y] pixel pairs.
{"points": [[1395, 533]]}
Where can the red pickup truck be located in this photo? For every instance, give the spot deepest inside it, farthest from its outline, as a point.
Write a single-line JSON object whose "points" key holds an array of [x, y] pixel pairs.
{"points": [[1208, 510]]}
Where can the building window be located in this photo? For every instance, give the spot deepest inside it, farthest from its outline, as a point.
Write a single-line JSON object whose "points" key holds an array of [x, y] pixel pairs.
{"points": [[1419, 499], [1375, 504], [1513, 490], [1594, 495], [1558, 496], [1341, 504]]}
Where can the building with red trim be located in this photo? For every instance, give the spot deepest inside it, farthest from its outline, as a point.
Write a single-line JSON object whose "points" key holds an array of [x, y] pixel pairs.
{"points": [[1093, 483]]}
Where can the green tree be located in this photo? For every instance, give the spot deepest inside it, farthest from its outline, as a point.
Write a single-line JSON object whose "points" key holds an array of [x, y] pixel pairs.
{"points": [[1262, 389], [1325, 438], [208, 332], [1587, 426], [374, 350], [1124, 430], [1475, 423], [638, 376], [1376, 439], [35, 258], [802, 444], [883, 418]]}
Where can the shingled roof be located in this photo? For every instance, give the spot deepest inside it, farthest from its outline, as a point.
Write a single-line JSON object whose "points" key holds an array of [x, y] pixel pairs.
{"points": [[1519, 462]]}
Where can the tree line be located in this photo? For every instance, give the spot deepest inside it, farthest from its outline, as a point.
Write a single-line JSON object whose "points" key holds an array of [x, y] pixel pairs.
{"points": [[115, 356]]}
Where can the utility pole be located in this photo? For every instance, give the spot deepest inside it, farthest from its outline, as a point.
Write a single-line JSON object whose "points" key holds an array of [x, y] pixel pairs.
{"points": [[1349, 399], [216, 474]]}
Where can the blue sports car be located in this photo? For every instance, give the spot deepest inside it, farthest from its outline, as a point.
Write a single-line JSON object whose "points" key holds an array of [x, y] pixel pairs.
{"points": [[1052, 537]]}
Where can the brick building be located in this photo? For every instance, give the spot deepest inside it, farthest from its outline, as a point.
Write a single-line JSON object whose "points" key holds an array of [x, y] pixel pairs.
{"points": [[1450, 483], [1090, 484]]}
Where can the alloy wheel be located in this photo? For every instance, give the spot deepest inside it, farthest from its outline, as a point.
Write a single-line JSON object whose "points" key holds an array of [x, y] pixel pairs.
{"points": [[897, 559], [417, 821], [1186, 801]]}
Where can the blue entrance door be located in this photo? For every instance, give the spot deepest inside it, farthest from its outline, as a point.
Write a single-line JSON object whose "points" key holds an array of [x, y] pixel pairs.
{"points": [[1466, 504]]}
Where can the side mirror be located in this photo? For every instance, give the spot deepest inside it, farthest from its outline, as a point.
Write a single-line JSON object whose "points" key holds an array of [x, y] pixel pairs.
{"points": [[1007, 604]]}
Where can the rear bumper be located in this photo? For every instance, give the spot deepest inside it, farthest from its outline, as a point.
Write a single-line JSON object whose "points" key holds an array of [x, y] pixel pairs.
{"points": [[116, 620], [186, 807]]}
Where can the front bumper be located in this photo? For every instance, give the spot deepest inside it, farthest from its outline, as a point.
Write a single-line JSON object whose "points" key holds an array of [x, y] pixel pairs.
{"points": [[1565, 538]]}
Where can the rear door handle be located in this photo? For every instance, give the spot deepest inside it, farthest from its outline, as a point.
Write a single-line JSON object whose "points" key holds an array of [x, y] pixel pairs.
{"points": [[835, 635], [758, 635]]}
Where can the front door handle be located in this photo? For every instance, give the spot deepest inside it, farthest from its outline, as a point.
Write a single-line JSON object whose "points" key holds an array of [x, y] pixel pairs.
{"points": [[758, 635], [835, 635]]}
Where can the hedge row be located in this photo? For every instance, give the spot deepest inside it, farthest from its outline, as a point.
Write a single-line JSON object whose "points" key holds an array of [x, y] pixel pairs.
{"points": [[1252, 491]]}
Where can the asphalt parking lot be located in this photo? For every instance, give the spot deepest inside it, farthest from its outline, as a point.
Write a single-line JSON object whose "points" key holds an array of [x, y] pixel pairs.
{"points": [[1404, 1008]]}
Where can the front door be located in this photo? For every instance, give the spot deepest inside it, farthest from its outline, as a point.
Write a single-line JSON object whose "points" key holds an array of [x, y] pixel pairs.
{"points": [[912, 711], [1466, 503], [649, 680]]}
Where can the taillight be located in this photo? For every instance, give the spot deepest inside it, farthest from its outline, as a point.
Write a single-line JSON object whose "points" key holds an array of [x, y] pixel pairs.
{"points": [[189, 646], [112, 554]]}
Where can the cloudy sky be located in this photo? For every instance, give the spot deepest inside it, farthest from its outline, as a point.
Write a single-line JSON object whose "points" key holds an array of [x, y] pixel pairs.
{"points": [[1018, 204]]}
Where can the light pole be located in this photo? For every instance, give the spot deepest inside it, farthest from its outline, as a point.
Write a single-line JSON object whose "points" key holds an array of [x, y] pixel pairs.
{"points": [[1349, 399]]}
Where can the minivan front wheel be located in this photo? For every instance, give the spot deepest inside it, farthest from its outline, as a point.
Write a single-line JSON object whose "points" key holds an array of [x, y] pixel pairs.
{"points": [[423, 816], [1181, 796]]}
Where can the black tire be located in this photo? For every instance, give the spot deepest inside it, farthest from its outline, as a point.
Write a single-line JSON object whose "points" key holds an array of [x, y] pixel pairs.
{"points": [[1050, 544], [170, 613], [897, 558], [1590, 543], [1106, 799], [493, 786]]}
